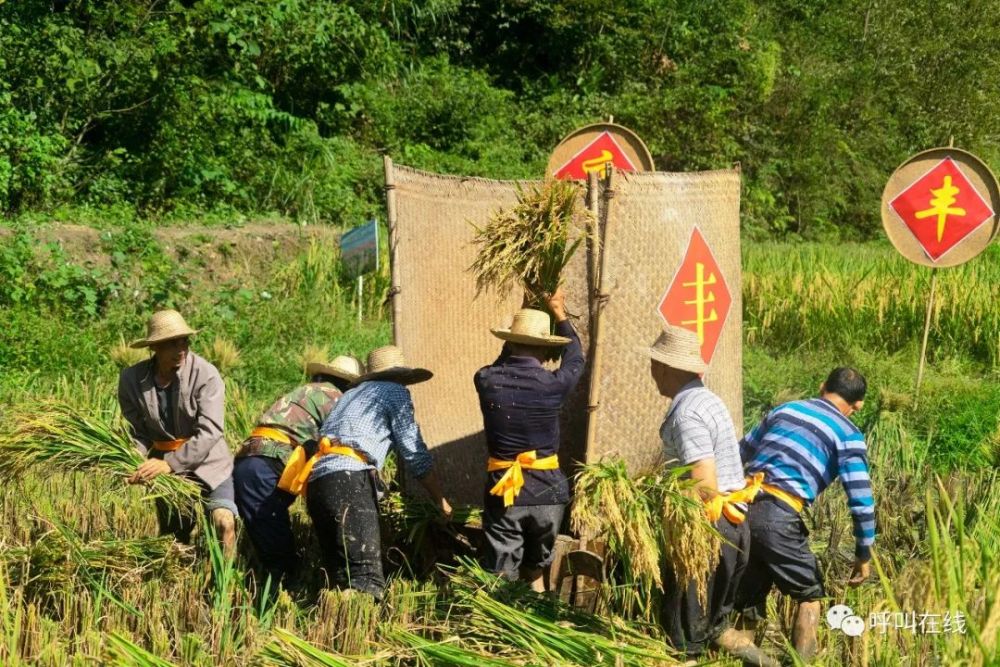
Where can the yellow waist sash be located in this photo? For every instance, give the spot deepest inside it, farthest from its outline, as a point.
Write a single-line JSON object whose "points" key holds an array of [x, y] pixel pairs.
{"points": [[789, 499], [272, 434], [169, 445], [512, 481], [295, 476], [726, 504]]}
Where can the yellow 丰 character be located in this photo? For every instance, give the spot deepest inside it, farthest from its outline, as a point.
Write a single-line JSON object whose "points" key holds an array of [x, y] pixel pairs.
{"points": [[941, 205]]}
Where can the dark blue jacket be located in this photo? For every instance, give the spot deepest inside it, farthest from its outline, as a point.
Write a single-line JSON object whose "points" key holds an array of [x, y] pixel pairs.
{"points": [[521, 401]]}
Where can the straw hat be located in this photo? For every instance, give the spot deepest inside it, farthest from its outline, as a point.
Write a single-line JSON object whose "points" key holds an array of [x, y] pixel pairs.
{"points": [[344, 367], [387, 363], [678, 348], [164, 325], [530, 327]]}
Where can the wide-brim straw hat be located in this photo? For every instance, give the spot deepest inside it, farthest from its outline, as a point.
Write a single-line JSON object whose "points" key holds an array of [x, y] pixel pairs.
{"points": [[164, 325], [388, 363], [530, 327], [678, 348], [344, 367]]}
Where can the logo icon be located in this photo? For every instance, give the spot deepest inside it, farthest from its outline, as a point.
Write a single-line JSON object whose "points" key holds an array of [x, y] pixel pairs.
{"points": [[595, 156], [941, 208], [841, 617], [698, 297]]}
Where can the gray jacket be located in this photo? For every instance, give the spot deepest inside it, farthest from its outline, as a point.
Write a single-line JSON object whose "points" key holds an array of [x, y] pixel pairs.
{"points": [[198, 415]]}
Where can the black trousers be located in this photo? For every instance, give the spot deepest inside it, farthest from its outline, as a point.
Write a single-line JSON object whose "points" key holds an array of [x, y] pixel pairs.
{"points": [[691, 626], [343, 506], [264, 510]]}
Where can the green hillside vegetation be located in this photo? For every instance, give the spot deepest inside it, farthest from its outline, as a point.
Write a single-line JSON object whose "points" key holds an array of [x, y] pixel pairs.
{"points": [[184, 108]]}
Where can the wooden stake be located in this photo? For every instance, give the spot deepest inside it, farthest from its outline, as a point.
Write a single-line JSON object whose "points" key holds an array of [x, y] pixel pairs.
{"points": [[361, 294], [390, 209], [927, 330], [597, 331]]}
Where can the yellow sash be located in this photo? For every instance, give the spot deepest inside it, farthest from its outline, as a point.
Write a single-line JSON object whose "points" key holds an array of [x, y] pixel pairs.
{"points": [[512, 481], [295, 476], [789, 499], [726, 504], [169, 445], [271, 434]]}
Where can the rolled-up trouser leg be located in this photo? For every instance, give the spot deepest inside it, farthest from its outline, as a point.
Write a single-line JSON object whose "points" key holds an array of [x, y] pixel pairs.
{"points": [[264, 510], [344, 512]]}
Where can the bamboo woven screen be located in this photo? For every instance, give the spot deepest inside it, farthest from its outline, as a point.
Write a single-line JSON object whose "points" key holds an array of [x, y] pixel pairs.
{"points": [[442, 326]]}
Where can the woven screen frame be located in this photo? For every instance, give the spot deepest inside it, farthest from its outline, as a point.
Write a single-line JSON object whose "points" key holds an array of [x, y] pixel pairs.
{"points": [[650, 219], [442, 326]]}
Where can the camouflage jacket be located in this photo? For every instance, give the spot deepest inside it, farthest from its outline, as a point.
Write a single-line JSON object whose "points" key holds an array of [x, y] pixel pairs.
{"points": [[299, 413]]}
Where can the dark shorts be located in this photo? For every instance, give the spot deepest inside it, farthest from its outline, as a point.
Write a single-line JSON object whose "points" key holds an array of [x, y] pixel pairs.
{"points": [[520, 537], [779, 556], [264, 511]]}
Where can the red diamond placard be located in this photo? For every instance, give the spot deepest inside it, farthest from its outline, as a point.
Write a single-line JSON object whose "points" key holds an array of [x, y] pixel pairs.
{"points": [[698, 297], [595, 156], [941, 208]]}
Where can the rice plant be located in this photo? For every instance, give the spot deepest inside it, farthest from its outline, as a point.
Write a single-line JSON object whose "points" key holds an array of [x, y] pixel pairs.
{"points": [[529, 244], [125, 356], [223, 354], [56, 437]]}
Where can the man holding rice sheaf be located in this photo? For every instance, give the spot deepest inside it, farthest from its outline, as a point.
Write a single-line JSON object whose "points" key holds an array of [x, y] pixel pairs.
{"points": [[698, 432], [174, 403], [799, 449], [287, 431], [342, 477], [521, 400]]}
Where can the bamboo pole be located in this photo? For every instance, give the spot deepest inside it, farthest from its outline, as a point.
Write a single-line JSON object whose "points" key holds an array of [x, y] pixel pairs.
{"points": [[594, 231], [927, 330], [390, 207], [597, 331]]}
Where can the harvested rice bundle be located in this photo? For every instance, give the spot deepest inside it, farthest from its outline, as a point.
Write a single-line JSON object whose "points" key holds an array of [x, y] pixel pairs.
{"points": [[288, 650], [688, 541], [125, 653], [647, 520], [529, 244], [549, 630], [450, 652], [608, 502], [60, 556], [56, 436]]}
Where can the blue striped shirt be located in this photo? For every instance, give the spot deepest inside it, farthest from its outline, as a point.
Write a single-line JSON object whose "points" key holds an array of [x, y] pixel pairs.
{"points": [[802, 447], [372, 418]]}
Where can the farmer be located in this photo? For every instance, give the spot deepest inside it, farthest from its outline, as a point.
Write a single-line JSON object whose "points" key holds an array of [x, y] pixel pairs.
{"points": [[343, 484], [698, 432], [173, 403], [526, 492], [801, 448], [292, 421]]}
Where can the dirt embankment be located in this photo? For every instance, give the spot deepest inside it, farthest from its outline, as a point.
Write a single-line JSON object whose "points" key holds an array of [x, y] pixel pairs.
{"points": [[217, 253]]}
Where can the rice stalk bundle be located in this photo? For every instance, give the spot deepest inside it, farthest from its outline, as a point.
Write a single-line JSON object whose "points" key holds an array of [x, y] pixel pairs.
{"points": [[648, 521], [449, 652], [492, 609], [122, 652], [124, 356], [608, 502], [529, 244], [223, 354], [289, 650], [690, 544], [55, 436], [347, 619], [59, 557]]}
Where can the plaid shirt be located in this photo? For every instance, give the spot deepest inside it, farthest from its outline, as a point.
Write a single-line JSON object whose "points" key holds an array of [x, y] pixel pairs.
{"points": [[372, 418]]}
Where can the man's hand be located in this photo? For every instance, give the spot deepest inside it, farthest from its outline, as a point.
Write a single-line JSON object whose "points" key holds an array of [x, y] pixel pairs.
{"points": [[860, 573], [149, 469], [557, 304], [445, 507]]}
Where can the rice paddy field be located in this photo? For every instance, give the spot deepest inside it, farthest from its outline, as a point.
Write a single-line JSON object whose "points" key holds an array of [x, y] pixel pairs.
{"points": [[84, 580]]}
